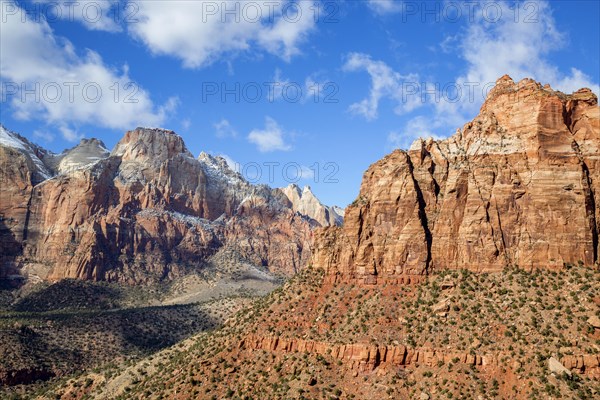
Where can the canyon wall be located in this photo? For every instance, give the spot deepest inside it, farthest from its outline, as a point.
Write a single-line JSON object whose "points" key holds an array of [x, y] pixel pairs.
{"points": [[517, 186], [146, 212]]}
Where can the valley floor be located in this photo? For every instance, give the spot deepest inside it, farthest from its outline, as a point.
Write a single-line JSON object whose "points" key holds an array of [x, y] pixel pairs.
{"points": [[50, 333]]}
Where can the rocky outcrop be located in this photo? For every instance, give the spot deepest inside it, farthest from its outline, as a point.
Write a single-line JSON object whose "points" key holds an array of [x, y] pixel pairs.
{"points": [[365, 357], [87, 152], [145, 212], [306, 203], [20, 169], [517, 186]]}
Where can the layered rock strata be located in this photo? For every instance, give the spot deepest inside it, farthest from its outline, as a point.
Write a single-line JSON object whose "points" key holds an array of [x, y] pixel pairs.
{"points": [[517, 186]]}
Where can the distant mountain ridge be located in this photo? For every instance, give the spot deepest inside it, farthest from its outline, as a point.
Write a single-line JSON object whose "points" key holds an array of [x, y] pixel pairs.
{"points": [[144, 212]]}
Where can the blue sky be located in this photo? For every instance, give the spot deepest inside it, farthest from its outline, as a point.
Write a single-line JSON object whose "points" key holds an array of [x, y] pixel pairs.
{"points": [[341, 82]]}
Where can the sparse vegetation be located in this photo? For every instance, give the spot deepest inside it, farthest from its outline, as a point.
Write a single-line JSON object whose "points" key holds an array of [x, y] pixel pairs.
{"points": [[514, 317]]}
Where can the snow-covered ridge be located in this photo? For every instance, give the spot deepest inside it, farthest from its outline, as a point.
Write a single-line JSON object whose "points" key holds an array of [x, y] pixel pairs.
{"points": [[185, 218], [339, 211], [8, 139], [13, 140], [84, 155], [146, 148], [216, 168]]}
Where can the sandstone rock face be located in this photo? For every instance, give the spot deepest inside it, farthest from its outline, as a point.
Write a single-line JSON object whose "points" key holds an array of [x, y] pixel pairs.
{"points": [[365, 357], [518, 185], [305, 202], [145, 212], [20, 169]]}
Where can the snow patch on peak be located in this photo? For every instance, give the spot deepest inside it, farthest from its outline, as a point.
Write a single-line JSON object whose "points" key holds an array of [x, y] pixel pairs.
{"points": [[218, 170], [15, 141], [86, 154], [10, 139], [214, 161]]}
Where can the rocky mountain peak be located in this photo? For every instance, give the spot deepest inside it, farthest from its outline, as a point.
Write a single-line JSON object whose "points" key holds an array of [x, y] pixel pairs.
{"points": [[504, 79], [32, 154], [148, 211], [305, 202], [508, 95], [86, 153], [497, 194], [216, 162], [150, 144], [92, 142]]}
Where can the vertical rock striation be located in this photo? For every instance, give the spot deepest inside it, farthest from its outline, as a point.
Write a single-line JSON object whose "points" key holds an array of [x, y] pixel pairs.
{"points": [[145, 212], [518, 185]]}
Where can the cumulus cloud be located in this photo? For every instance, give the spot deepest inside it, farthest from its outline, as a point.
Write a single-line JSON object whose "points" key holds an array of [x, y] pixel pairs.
{"points": [[201, 32], [68, 89], [519, 48], [385, 83], [97, 15], [223, 129], [43, 135], [383, 7], [269, 139]]}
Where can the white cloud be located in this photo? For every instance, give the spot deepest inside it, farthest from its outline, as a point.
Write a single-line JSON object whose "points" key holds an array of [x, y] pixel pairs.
{"points": [[269, 139], [201, 32], [319, 89], [306, 173], [43, 135], [283, 37], [520, 49], [280, 88], [98, 15], [186, 123], [277, 86], [385, 83], [517, 48], [382, 7], [70, 134], [224, 129], [70, 89]]}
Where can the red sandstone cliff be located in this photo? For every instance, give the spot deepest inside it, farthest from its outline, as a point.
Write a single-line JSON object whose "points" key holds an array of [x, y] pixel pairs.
{"points": [[147, 211], [518, 185]]}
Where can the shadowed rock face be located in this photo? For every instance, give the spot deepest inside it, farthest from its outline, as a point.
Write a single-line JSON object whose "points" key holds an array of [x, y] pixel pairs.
{"points": [[518, 185], [145, 212]]}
